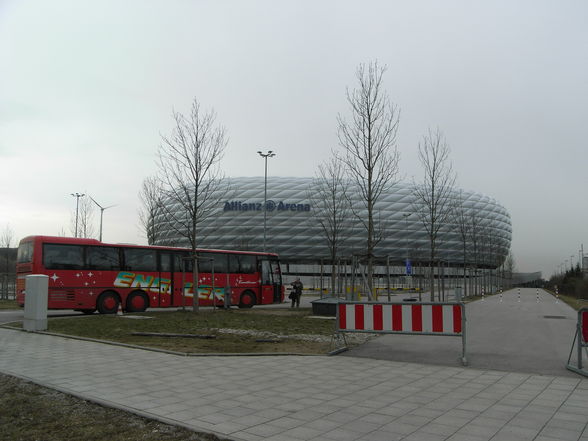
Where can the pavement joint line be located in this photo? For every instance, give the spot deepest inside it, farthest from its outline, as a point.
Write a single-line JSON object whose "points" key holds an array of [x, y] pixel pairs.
{"points": [[558, 408]]}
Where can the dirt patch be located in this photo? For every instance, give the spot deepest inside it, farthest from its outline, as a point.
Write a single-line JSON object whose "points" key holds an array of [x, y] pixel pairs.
{"points": [[30, 412]]}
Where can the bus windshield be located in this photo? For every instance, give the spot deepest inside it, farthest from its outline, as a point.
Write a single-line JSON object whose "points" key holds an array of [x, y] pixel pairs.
{"points": [[25, 252]]}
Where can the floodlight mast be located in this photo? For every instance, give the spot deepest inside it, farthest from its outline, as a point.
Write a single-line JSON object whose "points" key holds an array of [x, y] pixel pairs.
{"points": [[269, 154]]}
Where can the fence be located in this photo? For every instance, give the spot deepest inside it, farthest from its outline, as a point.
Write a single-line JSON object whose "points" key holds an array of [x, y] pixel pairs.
{"points": [[7, 286], [441, 319], [581, 337]]}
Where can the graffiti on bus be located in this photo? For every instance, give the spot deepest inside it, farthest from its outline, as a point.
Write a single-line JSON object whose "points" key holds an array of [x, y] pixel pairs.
{"points": [[126, 279]]}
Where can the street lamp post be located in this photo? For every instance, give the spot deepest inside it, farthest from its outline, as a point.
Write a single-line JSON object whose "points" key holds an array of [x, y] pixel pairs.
{"points": [[572, 262], [269, 154], [77, 196], [101, 213]]}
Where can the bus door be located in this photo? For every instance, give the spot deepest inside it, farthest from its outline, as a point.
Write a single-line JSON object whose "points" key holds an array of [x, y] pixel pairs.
{"points": [[271, 282], [277, 276], [170, 279]]}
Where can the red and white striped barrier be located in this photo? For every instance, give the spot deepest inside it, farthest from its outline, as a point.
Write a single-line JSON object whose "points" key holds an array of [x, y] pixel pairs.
{"points": [[401, 318]]}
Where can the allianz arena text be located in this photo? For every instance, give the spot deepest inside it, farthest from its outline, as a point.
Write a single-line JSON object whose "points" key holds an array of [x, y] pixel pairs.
{"points": [[292, 229]]}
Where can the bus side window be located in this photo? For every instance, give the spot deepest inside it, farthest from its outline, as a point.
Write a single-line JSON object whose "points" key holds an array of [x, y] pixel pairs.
{"points": [[165, 262], [205, 262], [102, 258], [179, 264], [137, 259], [266, 273], [63, 256], [234, 263], [221, 263], [247, 264], [242, 263]]}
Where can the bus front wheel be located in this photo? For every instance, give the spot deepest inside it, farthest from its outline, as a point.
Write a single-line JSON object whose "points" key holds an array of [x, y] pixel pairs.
{"points": [[247, 300], [108, 303], [137, 302]]}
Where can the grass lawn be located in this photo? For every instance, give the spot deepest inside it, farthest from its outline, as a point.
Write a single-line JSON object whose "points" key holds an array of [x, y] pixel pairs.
{"points": [[8, 304], [233, 331], [572, 301], [29, 412]]}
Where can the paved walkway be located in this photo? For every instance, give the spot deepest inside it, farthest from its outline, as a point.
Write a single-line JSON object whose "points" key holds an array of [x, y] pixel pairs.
{"points": [[528, 334], [294, 398]]}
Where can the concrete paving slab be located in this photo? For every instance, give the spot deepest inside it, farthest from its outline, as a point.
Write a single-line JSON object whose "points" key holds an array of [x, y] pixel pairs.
{"points": [[352, 398]]}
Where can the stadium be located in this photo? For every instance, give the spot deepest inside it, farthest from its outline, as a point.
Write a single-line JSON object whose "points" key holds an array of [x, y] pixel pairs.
{"points": [[293, 230]]}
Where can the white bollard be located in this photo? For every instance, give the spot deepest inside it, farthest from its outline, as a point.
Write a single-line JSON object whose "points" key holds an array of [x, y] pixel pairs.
{"points": [[500, 295], [556, 295], [483, 299], [537, 295], [519, 295], [35, 310]]}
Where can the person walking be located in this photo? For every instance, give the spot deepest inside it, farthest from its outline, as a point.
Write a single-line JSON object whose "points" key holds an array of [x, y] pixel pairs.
{"points": [[296, 292]]}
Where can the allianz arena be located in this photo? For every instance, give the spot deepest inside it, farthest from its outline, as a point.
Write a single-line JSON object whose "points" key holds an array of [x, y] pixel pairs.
{"points": [[292, 230]]}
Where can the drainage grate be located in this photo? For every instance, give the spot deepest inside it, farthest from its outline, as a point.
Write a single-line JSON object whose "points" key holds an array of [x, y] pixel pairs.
{"points": [[555, 317]]}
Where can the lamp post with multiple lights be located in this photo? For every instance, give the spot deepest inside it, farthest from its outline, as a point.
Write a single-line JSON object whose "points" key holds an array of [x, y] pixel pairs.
{"points": [[77, 196], [269, 154]]}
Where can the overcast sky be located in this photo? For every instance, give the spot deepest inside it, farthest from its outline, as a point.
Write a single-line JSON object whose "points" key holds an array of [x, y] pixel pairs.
{"points": [[87, 88]]}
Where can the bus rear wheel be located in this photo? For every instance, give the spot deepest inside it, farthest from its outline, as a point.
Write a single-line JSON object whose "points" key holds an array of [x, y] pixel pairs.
{"points": [[107, 303], [247, 300], [137, 301]]}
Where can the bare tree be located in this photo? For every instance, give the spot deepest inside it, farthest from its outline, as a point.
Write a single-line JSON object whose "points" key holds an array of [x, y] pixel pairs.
{"points": [[434, 192], [509, 267], [85, 215], [6, 239], [331, 206], [370, 152], [190, 175], [461, 224], [151, 205], [475, 240]]}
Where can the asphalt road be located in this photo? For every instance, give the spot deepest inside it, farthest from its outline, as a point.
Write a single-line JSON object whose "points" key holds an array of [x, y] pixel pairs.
{"points": [[528, 336]]}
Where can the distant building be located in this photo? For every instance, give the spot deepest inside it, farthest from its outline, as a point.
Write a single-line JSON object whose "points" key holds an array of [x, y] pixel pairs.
{"points": [[294, 233]]}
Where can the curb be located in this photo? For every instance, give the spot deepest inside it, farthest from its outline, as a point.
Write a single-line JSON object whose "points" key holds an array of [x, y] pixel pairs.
{"points": [[165, 351]]}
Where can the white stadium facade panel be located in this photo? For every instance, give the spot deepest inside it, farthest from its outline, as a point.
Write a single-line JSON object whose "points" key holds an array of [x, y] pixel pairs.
{"points": [[292, 231]]}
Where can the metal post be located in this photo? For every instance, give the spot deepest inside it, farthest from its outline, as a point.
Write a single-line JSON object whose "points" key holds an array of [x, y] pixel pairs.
{"points": [[227, 293], [77, 196], [212, 283], [321, 282], [463, 335], [269, 154], [579, 325], [388, 274]]}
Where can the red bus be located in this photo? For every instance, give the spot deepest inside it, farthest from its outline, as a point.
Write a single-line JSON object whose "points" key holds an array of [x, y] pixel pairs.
{"points": [[87, 275]]}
